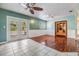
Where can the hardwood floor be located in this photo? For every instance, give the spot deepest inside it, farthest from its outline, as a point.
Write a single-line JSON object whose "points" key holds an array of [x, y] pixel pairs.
{"points": [[49, 41]]}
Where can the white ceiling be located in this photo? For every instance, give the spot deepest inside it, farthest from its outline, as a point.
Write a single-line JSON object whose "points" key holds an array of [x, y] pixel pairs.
{"points": [[54, 9]]}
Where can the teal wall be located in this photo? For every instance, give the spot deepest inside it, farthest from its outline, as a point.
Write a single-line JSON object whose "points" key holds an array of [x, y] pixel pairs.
{"points": [[3, 19], [71, 22]]}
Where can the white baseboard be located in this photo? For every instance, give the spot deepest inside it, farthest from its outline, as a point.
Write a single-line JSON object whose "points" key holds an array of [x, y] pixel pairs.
{"points": [[2, 42]]}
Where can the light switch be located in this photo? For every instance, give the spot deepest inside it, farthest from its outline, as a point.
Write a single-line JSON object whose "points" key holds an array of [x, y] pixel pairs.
{"points": [[4, 27]]}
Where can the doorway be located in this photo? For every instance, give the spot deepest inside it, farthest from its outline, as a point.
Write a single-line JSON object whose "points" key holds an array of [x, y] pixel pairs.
{"points": [[16, 28]]}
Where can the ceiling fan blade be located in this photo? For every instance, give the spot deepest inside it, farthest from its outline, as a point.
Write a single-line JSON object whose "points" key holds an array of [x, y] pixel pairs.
{"points": [[31, 11], [33, 4], [27, 5], [37, 8]]}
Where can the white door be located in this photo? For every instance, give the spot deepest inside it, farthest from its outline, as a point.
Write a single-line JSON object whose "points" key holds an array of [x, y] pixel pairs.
{"points": [[13, 30], [22, 29], [16, 29], [78, 28], [77, 37]]}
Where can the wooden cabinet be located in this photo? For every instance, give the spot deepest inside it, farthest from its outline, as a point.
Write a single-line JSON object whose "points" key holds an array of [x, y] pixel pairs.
{"points": [[61, 35]]}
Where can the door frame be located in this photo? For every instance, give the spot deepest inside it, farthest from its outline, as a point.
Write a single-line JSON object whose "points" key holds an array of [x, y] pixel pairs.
{"points": [[7, 25]]}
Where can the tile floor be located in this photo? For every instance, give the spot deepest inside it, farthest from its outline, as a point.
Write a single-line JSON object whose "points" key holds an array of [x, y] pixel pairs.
{"points": [[29, 47]]}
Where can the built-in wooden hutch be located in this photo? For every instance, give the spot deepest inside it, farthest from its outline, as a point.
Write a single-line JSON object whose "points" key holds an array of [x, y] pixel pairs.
{"points": [[61, 35]]}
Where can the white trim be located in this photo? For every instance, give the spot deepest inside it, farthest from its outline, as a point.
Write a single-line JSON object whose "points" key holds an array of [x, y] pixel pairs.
{"points": [[2, 42], [7, 30]]}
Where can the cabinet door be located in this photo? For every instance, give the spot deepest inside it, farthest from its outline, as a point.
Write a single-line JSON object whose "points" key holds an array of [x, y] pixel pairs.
{"points": [[61, 43], [61, 28]]}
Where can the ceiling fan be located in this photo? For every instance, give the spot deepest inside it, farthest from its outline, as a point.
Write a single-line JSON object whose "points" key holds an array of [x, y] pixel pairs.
{"points": [[31, 7]]}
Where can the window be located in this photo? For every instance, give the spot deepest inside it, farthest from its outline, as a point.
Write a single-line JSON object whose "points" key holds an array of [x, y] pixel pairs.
{"points": [[38, 24], [13, 26]]}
